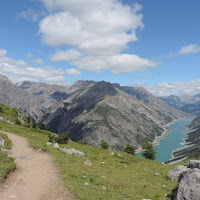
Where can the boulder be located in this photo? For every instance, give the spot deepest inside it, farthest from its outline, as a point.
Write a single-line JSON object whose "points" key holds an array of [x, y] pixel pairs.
{"points": [[176, 172], [48, 143], [56, 145], [194, 164], [189, 185], [73, 151]]}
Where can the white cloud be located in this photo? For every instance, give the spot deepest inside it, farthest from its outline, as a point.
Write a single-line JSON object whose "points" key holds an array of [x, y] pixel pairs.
{"points": [[31, 15], [122, 63], [73, 72], [186, 50], [94, 26], [20, 70], [69, 55], [3, 52], [38, 61], [95, 32], [177, 88]]}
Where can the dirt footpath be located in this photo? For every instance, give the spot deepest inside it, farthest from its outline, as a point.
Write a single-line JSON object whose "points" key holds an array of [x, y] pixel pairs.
{"points": [[36, 177]]}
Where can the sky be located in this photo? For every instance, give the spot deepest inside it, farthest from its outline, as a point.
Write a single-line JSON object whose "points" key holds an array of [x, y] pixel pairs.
{"points": [[149, 43]]}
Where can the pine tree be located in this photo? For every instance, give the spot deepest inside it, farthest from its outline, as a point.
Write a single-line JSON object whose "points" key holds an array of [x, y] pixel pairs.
{"points": [[149, 151]]}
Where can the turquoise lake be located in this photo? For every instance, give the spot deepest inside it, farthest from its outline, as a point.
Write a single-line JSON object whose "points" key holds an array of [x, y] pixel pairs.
{"points": [[172, 141]]}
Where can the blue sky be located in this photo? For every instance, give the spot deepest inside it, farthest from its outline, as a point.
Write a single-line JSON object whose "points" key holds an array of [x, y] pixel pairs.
{"points": [[154, 44]]}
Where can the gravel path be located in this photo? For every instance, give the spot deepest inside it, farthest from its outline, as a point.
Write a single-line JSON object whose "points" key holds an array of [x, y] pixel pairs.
{"points": [[36, 177]]}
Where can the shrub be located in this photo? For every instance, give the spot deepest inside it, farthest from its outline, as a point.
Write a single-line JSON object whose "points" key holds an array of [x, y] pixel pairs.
{"points": [[1, 109], [62, 138], [28, 119], [149, 151], [33, 124], [18, 122], [43, 127], [104, 144], [129, 149], [52, 137]]}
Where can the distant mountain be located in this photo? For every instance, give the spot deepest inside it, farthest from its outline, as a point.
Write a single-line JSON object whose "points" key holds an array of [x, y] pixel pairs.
{"points": [[190, 104], [46, 94], [96, 111], [12, 96]]}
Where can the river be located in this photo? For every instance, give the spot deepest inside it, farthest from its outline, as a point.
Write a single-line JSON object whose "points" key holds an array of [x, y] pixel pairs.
{"points": [[173, 140]]}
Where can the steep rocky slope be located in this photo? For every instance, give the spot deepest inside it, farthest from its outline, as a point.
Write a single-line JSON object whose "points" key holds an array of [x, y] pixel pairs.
{"points": [[100, 111], [167, 112], [12, 96]]}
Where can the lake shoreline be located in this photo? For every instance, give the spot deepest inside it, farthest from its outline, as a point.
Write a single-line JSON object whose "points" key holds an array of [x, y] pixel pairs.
{"points": [[164, 134], [175, 159]]}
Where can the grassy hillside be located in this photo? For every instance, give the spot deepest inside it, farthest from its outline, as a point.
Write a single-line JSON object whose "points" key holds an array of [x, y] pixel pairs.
{"points": [[6, 163], [99, 175]]}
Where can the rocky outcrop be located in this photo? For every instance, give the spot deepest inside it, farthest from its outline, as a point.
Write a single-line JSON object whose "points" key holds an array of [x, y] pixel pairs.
{"points": [[188, 181], [189, 186], [175, 173]]}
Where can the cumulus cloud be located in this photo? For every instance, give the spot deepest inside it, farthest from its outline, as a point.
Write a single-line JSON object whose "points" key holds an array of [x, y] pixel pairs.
{"points": [[69, 55], [122, 63], [186, 50], [73, 72], [19, 70], [38, 61], [95, 32], [177, 88]]}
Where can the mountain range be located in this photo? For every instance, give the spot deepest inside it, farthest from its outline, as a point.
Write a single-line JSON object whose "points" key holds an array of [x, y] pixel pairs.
{"points": [[93, 111], [186, 103]]}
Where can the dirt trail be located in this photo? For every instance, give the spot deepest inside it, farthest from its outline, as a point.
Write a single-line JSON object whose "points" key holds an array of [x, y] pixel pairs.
{"points": [[36, 176]]}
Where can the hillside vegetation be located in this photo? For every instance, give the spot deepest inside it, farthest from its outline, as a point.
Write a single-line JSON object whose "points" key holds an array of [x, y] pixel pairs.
{"points": [[99, 175]]}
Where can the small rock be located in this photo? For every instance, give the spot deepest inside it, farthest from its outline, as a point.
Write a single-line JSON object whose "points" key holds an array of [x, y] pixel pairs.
{"points": [[12, 197], [146, 199], [164, 185], [102, 162], [104, 188], [33, 134], [56, 145], [103, 177], [111, 153], [86, 183], [48, 143], [125, 165], [194, 164], [6, 186], [157, 174]]}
